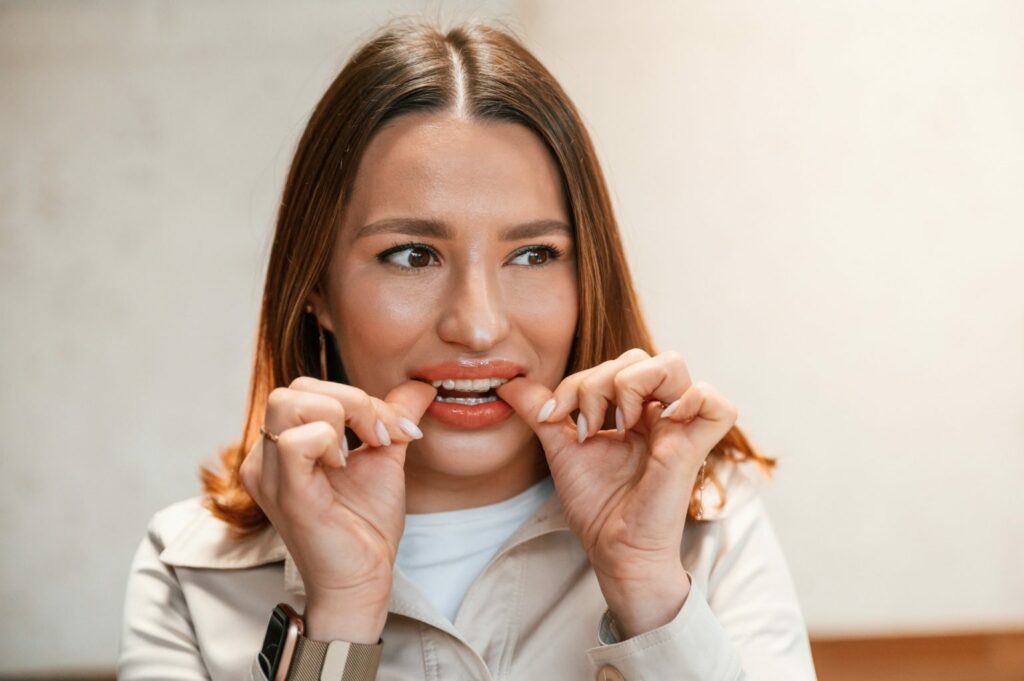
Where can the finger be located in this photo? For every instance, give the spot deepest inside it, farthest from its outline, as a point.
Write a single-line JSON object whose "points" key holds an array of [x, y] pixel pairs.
{"points": [[663, 377], [567, 394], [526, 397], [597, 390], [269, 476], [706, 414], [372, 421], [250, 471], [411, 399], [288, 408], [298, 451], [564, 398], [408, 401], [671, 465]]}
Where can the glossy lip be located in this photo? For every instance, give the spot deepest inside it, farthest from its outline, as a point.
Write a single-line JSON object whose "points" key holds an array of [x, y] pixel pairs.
{"points": [[466, 369], [470, 417]]}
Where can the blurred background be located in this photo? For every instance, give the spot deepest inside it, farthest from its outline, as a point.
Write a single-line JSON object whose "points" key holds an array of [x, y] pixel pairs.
{"points": [[821, 202]]}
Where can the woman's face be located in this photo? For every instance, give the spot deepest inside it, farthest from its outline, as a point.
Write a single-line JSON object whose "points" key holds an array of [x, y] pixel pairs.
{"points": [[430, 268]]}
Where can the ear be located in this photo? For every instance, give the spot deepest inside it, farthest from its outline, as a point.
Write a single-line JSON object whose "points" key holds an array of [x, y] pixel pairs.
{"points": [[320, 309]]}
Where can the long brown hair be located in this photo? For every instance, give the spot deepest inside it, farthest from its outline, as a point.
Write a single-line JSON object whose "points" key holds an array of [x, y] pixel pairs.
{"points": [[412, 66]]}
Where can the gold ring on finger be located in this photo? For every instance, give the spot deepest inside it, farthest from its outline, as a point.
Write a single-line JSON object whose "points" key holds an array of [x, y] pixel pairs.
{"points": [[267, 434]]}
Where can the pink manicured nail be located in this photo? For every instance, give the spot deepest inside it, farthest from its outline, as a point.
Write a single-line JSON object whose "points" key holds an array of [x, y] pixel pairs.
{"points": [[671, 408], [581, 428], [619, 420], [382, 433], [546, 410], [411, 428], [343, 452]]}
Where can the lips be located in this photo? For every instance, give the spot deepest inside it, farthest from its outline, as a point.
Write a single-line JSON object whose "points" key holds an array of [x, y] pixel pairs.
{"points": [[467, 369]]}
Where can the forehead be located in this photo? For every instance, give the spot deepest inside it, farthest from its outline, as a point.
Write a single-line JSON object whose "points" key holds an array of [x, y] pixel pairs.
{"points": [[457, 170]]}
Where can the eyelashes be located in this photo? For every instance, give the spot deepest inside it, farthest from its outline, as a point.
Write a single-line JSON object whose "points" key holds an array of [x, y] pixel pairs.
{"points": [[554, 254]]}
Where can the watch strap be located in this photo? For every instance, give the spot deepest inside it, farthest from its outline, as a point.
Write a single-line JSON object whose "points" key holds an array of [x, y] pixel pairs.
{"points": [[608, 631], [335, 660]]}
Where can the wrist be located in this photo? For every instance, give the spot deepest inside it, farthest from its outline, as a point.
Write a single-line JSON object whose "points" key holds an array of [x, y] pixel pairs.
{"points": [[353, 617], [354, 627], [640, 606]]}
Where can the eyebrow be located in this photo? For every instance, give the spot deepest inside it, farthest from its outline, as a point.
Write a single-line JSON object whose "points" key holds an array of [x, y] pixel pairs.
{"points": [[439, 230]]}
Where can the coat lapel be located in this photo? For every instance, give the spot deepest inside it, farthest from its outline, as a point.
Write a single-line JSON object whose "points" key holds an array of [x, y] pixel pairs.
{"points": [[204, 543]]}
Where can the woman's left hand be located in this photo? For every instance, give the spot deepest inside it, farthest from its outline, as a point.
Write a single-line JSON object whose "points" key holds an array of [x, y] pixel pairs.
{"points": [[625, 493]]}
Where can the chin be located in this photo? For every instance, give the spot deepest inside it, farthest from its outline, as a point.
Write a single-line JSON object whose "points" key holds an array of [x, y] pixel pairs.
{"points": [[468, 452]]}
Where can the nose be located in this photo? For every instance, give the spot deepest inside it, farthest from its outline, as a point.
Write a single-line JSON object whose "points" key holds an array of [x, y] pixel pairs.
{"points": [[474, 315]]}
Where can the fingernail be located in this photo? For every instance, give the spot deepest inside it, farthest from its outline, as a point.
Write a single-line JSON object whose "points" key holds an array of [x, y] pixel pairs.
{"points": [[546, 410], [382, 433], [619, 420], [410, 427], [581, 427], [343, 455], [671, 408]]}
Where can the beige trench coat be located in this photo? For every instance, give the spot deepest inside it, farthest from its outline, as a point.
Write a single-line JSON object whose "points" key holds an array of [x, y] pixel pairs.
{"points": [[197, 606]]}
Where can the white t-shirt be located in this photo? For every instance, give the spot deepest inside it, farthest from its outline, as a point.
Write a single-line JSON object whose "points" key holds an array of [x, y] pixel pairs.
{"points": [[442, 553]]}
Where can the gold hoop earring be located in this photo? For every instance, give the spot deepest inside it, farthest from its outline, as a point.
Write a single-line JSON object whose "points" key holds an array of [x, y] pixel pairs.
{"points": [[323, 353], [323, 346]]}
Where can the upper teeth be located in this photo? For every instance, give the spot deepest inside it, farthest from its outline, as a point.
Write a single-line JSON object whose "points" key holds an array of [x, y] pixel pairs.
{"points": [[469, 385]]}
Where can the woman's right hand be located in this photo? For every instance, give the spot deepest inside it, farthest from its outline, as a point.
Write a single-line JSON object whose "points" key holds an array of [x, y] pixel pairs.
{"points": [[341, 520]]}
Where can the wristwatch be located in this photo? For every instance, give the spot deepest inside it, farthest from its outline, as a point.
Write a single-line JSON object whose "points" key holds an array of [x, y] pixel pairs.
{"points": [[287, 655]]}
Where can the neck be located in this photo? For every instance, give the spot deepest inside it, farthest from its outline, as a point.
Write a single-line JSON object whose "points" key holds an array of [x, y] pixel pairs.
{"points": [[431, 491]]}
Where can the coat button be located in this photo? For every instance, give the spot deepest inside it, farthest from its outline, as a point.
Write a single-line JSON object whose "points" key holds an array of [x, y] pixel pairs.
{"points": [[609, 673]]}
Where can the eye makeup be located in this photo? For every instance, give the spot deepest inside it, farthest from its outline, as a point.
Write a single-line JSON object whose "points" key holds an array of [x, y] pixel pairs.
{"points": [[554, 253]]}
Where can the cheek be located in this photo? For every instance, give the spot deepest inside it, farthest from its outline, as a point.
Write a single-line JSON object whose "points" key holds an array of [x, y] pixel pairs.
{"points": [[381, 320], [547, 312]]}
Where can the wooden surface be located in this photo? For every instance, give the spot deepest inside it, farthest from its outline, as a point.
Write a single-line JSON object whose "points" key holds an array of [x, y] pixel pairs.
{"points": [[992, 656]]}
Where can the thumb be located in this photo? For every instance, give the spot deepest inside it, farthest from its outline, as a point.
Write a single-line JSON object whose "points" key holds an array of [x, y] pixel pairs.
{"points": [[527, 397], [411, 398]]}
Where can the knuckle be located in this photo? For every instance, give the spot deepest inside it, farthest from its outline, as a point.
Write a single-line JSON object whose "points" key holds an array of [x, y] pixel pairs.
{"points": [[302, 383], [673, 358], [566, 398], [277, 399], [588, 385], [634, 354], [564, 387], [338, 413], [287, 441], [324, 432]]}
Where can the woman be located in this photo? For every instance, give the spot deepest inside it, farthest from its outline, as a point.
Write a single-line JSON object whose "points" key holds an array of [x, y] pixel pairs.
{"points": [[463, 458]]}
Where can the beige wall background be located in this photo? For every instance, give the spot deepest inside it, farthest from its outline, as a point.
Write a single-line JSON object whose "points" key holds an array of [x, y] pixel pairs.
{"points": [[821, 204]]}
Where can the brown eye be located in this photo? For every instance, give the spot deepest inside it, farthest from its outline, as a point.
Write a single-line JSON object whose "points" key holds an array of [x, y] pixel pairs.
{"points": [[419, 257], [407, 256], [538, 257]]}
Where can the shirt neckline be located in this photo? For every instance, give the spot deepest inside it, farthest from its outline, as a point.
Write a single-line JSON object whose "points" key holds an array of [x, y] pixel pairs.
{"points": [[529, 498]]}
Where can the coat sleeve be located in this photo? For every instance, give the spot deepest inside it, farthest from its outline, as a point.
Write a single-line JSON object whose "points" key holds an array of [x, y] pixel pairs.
{"points": [[747, 627], [157, 638]]}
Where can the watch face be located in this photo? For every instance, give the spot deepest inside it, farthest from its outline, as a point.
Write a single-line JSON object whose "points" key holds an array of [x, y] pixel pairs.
{"points": [[273, 642]]}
